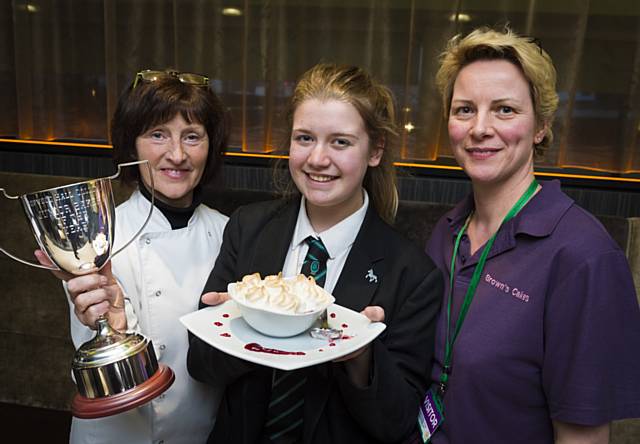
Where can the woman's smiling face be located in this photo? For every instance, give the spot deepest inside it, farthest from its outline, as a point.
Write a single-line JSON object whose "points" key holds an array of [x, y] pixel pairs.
{"points": [[177, 152], [329, 155], [492, 123]]}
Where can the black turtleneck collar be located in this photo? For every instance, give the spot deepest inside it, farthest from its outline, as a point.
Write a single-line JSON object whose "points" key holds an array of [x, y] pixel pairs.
{"points": [[177, 217]]}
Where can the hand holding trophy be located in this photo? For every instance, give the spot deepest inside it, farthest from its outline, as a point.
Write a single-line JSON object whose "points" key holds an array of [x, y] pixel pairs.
{"points": [[93, 295], [74, 226]]}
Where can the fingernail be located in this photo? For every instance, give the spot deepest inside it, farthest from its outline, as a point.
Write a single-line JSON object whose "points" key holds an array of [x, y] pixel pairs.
{"points": [[103, 280]]}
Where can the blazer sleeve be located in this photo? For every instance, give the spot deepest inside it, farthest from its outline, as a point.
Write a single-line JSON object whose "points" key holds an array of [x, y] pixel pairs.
{"points": [[402, 359], [205, 363]]}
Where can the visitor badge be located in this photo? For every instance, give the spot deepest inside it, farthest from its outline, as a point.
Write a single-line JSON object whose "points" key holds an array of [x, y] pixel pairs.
{"points": [[430, 416]]}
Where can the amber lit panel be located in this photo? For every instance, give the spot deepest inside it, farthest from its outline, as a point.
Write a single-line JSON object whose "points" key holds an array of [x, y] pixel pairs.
{"points": [[63, 64]]}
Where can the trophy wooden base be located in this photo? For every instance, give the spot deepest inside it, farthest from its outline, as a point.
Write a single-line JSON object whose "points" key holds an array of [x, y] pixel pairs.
{"points": [[90, 408]]}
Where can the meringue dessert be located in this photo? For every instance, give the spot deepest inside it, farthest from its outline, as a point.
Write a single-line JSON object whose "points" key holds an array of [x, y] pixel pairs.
{"points": [[294, 295]]}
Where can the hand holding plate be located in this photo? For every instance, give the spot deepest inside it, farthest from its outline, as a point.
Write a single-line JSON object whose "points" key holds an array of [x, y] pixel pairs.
{"points": [[357, 363], [215, 298], [375, 313]]}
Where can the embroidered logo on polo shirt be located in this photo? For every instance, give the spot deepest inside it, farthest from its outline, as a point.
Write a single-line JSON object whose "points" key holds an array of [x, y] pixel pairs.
{"points": [[506, 288]]}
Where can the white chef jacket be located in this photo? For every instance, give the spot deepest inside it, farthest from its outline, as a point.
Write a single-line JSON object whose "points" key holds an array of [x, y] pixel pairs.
{"points": [[162, 274]]}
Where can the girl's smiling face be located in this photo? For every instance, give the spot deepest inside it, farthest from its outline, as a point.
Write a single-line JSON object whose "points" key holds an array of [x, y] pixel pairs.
{"points": [[329, 155]]}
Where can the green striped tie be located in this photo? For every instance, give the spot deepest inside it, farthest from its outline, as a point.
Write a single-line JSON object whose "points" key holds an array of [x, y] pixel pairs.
{"points": [[315, 262], [286, 407]]}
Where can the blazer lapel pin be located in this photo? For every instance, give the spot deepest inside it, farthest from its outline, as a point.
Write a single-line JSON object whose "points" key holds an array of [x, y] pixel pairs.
{"points": [[370, 276]]}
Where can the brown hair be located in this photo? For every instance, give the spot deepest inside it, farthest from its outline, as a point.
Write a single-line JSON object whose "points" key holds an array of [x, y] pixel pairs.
{"points": [[157, 102], [524, 52], [375, 104]]}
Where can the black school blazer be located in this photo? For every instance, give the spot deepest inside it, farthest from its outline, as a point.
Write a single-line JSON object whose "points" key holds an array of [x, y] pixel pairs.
{"points": [[409, 288]]}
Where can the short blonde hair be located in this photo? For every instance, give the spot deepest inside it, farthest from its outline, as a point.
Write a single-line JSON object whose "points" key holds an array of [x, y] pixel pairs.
{"points": [[524, 52], [375, 104]]}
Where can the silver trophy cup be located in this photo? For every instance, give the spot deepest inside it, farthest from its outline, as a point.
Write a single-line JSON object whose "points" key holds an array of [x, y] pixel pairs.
{"points": [[74, 225]]}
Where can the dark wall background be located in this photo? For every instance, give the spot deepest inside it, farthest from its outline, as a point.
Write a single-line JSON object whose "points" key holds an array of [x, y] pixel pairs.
{"points": [[415, 184]]}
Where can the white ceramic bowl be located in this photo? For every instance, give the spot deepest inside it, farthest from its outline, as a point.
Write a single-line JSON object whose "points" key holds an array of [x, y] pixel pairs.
{"points": [[276, 324]]}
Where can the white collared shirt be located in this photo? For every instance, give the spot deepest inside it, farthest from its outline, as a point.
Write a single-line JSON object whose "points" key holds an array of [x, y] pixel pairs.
{"points": [[338, 241]]}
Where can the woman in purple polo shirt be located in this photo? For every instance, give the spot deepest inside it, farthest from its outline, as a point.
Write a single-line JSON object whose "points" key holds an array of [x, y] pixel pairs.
{"points": [[539, 331]]}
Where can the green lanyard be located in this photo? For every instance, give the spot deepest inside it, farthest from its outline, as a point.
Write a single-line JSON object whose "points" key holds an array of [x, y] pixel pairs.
{"points": [[475, 279]]}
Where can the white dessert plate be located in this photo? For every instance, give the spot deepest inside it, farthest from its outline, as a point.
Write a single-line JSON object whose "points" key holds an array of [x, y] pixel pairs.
{"points": [[223, 327]]}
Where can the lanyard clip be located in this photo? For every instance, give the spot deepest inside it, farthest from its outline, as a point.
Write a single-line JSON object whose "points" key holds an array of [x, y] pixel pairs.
{"points": [[441, 389], [444, 378]]}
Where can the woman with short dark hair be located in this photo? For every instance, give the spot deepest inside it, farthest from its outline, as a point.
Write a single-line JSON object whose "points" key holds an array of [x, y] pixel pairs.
{"points": [[176, 122]]}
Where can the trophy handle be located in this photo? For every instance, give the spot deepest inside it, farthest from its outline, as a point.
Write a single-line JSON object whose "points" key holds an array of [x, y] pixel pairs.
{"points": [[153, 194], [55, 268], [16, 258]]}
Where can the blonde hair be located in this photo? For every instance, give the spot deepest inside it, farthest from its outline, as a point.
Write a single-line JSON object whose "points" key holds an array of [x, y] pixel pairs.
{"points": [[524, 52], [375, 104]]}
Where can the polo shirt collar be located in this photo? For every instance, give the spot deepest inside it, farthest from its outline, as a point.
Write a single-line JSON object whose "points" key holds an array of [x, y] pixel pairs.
{"points": [[460, 212], [336, 239], [541, 216], [538, 218]]}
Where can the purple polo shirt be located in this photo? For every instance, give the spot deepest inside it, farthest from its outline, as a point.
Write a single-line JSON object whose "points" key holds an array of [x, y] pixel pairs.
{"points": [[553, 332]]}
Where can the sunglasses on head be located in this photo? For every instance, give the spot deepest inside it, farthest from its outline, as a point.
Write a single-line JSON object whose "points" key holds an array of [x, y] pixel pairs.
{"points": [[150, 75]]}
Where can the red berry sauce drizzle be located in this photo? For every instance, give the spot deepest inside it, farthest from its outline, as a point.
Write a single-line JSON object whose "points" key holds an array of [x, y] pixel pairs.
{"points": [[225, 335], [217, 324], [272, 351]]}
